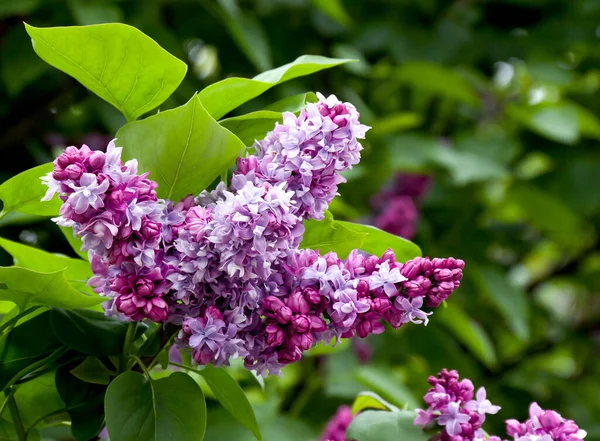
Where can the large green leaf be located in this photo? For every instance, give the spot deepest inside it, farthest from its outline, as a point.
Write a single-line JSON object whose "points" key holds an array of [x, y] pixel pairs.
{"points": [[330, 235], [83, 401], [376, 425], [23, 193], [342, 237], [38, 260], [390, 388], [37, 398], [293, 103], [469, 332], [184, 149], [92, 370], [232, 397], [28, 288], [252, 126], [115, 61], [222, 97], [26, 344], [169, 409], [370, 400], [90, 332]]}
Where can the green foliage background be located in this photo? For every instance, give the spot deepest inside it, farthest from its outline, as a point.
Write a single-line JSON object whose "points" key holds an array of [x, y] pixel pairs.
{"points": [[496, 100]]}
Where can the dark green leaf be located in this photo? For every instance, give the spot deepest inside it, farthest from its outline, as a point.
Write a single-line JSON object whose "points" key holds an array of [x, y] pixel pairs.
{"points": [[222, 97], [470, 333], [25, 344], [370, 400], [184, 149], [330, 235], [377, 425], [293, 103], [92, 370], [38, 398], [115, 61], [28, 288], [169, 409], [23, 193], [232, 397], [83, 401], [90, 332]]}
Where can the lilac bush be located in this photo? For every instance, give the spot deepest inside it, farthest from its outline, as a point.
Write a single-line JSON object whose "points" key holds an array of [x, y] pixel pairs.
{"points": [[226, 265]]}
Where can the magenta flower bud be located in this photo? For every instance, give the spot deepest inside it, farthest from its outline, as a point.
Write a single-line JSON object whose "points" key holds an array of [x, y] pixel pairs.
{"points": [[442, 275], [297, 303], [381, 304], [214, 312], [550, 419], [300, 323], [371, 263], [278, 310], [289, 355], [389, 256], [203, 357], [339, 109], [302, 341], [362, 287], [272, 303], [96, 161], [317, 324], [245, 165], [150, 229], [275, 335], [59, 174], [74, 171], [340, 120], [125, 305], [515, 428], [156, 309], [312, 295], [144, 287], [331, 258]]}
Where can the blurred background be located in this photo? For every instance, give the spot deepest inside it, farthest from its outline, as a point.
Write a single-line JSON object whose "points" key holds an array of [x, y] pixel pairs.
{"points": [[484, 147]]}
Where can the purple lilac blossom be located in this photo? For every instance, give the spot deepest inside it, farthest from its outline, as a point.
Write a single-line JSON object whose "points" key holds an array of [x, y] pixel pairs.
{"points": [[225, 265], [335, 429], [451, 407]]}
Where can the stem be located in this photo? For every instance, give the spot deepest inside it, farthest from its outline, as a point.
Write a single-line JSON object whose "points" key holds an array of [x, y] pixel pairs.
{"points": [[141, 364], [183, 366], [16, 416], [3, 407], [12, 321], [35, 366], [129, 337], [35, 423]]}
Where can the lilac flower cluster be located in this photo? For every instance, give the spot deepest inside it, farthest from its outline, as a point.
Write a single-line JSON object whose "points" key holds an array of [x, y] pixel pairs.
{"points": [[452, 407], [116, 213], [335, 429], [544, 425], [397, 206], [225, 266]]}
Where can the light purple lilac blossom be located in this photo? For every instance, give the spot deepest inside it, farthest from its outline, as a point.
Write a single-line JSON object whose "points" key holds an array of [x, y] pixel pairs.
{"points": [[225, 266], [451, 407]]}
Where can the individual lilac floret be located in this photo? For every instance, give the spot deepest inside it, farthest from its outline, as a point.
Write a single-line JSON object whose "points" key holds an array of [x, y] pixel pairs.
{"points": [[544, 425], [450, 406], [335, 429]]}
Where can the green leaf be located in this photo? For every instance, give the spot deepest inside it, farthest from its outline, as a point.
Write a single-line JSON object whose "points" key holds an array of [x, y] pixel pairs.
{"points": [[169, 409], [436, 80], [334, 9], [92, 370], [252, 126], [469, 332], [24, 346], [184, 149], [293, 103], [222, 97], [232, 397], [378, 241], [376, 425], [23, 193], [117, 62], [330, 235], [379, 380], [370, 400], [396, 122], [37, 398], [74, 241], [83, 401], [38, 260], [467, 167], [90, 332], [247, 32], [510, 299], [28, 288]]}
